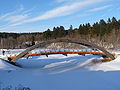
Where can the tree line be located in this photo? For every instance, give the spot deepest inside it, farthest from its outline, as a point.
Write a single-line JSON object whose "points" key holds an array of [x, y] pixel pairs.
{"points": [[104, 33]]}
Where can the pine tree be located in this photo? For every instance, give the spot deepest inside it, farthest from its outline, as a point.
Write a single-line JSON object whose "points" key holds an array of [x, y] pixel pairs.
{"points": [[115, 24], [103, 29], [47, 34]]}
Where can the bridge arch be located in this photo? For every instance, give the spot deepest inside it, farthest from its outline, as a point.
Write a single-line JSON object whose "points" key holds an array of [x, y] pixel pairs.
{"points": [[76, 41]]}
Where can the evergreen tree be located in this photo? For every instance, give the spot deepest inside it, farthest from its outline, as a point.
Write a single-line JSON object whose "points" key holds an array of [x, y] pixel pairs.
{"points": [[96, 28], [70, 30], [109, 21], [115, 24], [84, 29], [102, 29], [71, 27], [33, 40], [62, 31], [47, 34], [109, 26]]}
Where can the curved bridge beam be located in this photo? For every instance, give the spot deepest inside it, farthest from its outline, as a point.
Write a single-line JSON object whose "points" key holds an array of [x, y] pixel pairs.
{"points": [[81, 42]]}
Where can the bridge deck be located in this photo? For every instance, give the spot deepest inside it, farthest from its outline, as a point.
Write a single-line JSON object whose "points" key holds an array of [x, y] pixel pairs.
{"points": [[64, 52]]}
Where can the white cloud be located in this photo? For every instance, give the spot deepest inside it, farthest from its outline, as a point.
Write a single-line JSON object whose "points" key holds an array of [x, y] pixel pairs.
{"points": [[61, 11], [68, 1], [2, 17], [15, 16], [99, 8], [59, 1]]}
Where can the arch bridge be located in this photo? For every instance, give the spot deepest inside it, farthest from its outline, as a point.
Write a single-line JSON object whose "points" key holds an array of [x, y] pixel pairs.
{"points": [[104, 53]]}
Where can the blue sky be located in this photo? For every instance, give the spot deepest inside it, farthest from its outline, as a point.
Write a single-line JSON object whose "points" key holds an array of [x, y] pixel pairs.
{"points": [[39, 15]]}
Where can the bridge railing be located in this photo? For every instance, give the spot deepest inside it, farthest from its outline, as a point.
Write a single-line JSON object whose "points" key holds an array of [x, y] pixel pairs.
{"points": [[61, 50], [40, 50]]}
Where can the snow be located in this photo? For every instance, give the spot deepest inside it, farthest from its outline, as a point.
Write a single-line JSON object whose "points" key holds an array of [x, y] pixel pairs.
{"points": [[59, 72], [6, 66], [108, 66]]}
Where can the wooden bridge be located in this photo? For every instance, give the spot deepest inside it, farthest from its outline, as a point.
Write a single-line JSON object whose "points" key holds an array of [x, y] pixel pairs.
{"points": [[102, 52], [65, 52]]}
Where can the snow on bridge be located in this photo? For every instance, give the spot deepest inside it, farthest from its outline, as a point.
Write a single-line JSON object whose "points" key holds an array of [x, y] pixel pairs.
{"points": [[64, 52]]}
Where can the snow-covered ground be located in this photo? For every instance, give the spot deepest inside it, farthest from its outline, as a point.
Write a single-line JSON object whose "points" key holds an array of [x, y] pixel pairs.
{"points": [[59, 72]]}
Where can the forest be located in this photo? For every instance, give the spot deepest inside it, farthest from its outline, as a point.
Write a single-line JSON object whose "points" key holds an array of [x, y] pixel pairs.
{"points": [[103, 33]]}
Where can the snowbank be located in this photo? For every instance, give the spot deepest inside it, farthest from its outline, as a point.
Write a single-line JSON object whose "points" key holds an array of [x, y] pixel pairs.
{"points": [[108, 66], [58, 72], [6, 66]]}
